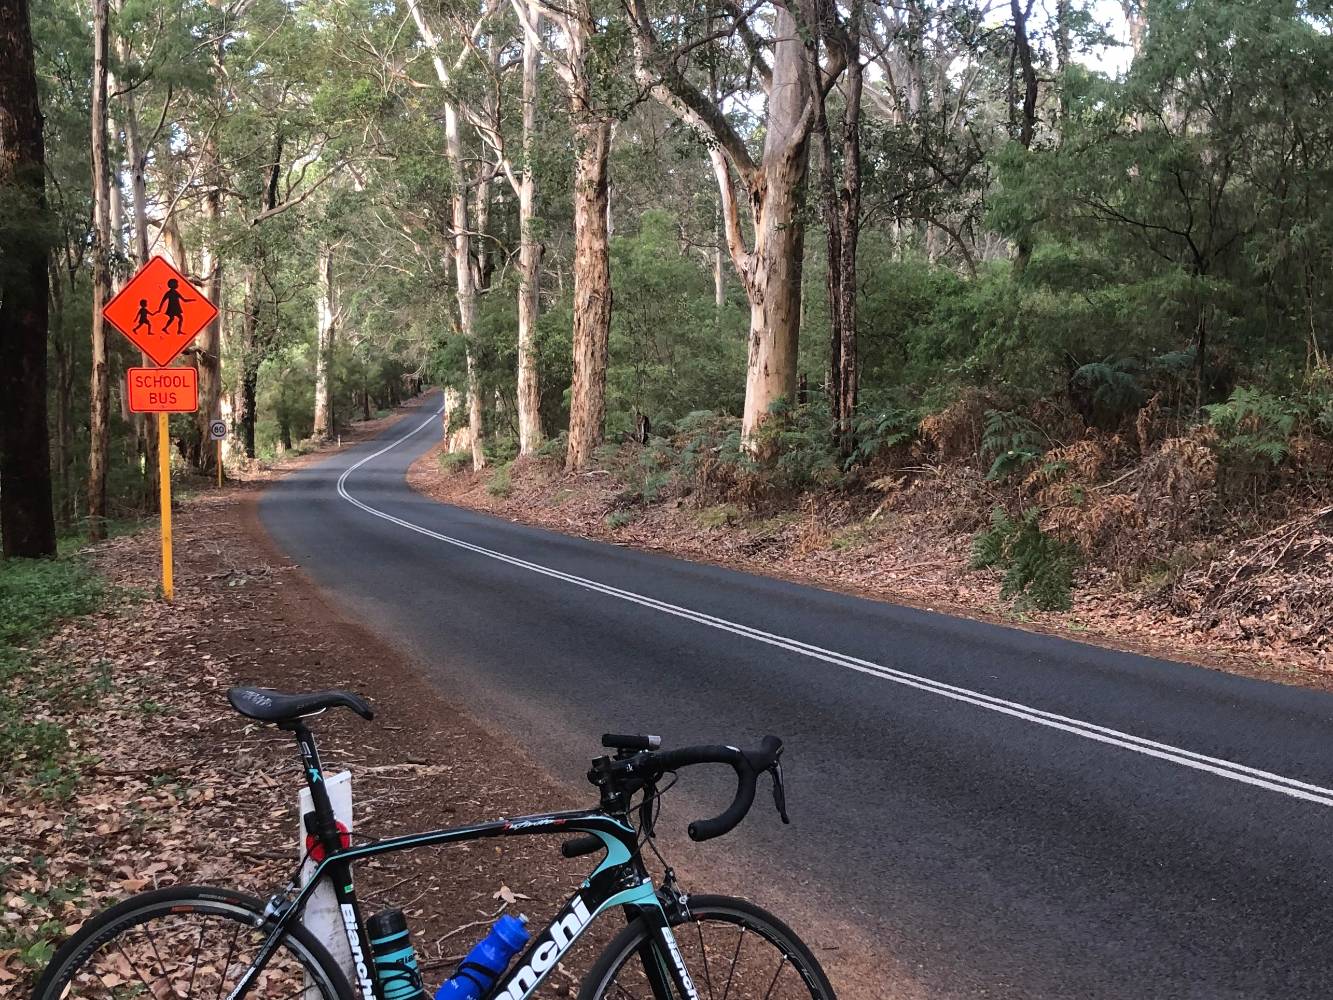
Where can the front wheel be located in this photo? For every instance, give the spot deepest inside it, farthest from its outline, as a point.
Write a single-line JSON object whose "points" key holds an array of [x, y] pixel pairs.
{"points": [[732, 949], [187, 943]]}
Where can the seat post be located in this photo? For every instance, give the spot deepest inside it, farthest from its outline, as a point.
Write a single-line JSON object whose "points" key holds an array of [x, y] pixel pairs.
{"points": [[326, 825]]}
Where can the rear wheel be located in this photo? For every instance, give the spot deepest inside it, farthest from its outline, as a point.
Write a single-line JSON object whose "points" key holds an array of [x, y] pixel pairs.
{"points": [[732, 949], [188, 943]]}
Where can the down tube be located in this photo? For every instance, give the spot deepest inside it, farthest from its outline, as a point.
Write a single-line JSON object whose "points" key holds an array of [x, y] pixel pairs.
{"points": [[605, 889]]}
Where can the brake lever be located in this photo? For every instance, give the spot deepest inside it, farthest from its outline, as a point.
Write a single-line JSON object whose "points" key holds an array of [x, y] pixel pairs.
{"points": [[646, 823], [779, 791]]}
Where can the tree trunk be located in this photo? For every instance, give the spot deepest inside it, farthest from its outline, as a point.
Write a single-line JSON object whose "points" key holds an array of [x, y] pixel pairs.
{"points": [[1027, 122], [845, 382], [457, 432], [27, 524], [208, 347], [247, 398], [326, 322], [592, 290], [99, 384], [145, 425], [466, 292], [719, 266], [529, 396], [776, 193], [1136, 15], [62, 352]]}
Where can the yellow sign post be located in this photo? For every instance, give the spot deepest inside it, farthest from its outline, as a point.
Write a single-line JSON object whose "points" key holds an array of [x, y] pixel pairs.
{"points": [[164, 501]]}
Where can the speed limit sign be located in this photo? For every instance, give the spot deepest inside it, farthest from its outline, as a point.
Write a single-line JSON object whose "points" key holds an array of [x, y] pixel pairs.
{"points": [[217, 430]]}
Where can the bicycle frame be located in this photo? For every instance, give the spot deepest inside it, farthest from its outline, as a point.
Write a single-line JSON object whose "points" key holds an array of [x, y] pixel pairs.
{"points": [[621, 880]]}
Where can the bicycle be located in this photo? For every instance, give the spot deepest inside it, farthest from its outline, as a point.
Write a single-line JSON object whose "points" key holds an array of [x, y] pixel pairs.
{"points": [[155, 944]]}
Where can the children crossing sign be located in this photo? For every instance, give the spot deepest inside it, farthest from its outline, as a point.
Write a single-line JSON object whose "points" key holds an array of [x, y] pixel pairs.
{"points": [[160, 311]]}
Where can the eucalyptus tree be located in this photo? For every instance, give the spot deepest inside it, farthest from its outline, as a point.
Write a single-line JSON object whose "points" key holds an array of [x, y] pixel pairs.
{"points": [[783, 54], [587, 61], [99, 389]]}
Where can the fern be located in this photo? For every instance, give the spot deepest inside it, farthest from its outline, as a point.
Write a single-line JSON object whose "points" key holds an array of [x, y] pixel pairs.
{"points": [[1038, 568], [1112, 385], [1254, 427], [876, 433], [1014, 441]]}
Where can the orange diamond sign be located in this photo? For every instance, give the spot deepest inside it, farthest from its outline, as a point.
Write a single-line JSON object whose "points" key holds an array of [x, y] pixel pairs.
{"points": [[160, 311]]}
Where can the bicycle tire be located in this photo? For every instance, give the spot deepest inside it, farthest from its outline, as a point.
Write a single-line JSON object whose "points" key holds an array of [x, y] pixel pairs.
{"points": [[622, 955], [241, 909]]}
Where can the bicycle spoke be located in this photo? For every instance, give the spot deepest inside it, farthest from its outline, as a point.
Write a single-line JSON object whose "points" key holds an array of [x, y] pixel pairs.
{"points": [[708, 979], [146, 984], [162, 966], [734, 959], [781, 966], [194, 968], [222, 976]]}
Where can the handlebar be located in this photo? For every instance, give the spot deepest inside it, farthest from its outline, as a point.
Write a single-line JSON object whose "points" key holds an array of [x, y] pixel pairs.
{"points": [[642, 769]]}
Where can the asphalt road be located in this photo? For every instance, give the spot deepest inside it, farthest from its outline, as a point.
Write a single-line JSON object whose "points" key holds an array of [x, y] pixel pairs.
{"points": [[1011, 815]]}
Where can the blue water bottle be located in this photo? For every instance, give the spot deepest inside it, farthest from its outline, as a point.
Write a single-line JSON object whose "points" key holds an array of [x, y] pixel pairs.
{"points": [[487, 960]]}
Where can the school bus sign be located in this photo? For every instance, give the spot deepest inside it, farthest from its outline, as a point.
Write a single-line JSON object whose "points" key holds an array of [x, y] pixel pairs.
{"points": [[160, 311], [162, 390]]}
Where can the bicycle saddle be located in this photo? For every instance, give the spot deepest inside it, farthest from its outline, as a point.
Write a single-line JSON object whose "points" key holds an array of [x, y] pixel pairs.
{"points": [[267, 705]]}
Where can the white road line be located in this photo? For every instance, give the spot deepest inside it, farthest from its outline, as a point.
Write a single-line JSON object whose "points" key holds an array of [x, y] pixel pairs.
{"points": [[1077, 727]]}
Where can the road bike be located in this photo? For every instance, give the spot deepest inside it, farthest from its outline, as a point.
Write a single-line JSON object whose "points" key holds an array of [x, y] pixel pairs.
{"points": [[192, 941]]}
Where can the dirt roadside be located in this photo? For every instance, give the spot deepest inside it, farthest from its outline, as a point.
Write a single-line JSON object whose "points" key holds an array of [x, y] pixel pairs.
{"points": [[920, 561], [174, 787]]}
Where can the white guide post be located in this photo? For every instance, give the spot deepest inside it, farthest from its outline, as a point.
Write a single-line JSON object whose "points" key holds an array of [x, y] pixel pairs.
{"points": [[321, 916]]}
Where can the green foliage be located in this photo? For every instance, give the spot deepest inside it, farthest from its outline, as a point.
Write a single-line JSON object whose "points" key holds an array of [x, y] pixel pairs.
{"points": [[1038, 569], [455, 461], [801, 438], [672, 349], [1013, 440], [1253, 427], [555, 447], [1109, 389], [35, 595], [878, 432], [619, 518], [501, 482]]}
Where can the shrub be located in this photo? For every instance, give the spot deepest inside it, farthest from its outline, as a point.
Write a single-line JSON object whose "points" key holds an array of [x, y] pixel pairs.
{"points": [[1038, 568], [501, 449], [34, 596], [618, 519], [501, 481], [455, 461], [1107, 391], [876, 433], [555, 447]]}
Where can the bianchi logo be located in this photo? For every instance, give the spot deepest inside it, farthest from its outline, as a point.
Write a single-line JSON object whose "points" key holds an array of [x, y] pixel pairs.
{"points": [[681, 971], [556, 941], [358, 957]]}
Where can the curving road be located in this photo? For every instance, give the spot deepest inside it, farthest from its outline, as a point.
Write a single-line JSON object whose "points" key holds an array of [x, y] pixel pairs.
{"points": [[1011, 815]]}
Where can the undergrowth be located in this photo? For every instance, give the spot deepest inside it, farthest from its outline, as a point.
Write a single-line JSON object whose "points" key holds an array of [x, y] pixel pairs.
{"points": [[35, 596]]}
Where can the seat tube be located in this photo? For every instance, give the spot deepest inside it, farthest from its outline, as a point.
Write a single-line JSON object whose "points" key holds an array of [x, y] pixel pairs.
{"points": [[337, 871], [326, 825]]}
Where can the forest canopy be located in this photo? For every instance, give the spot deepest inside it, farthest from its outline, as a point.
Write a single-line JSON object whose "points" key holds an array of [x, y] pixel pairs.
{"points": [[589, 222]]}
